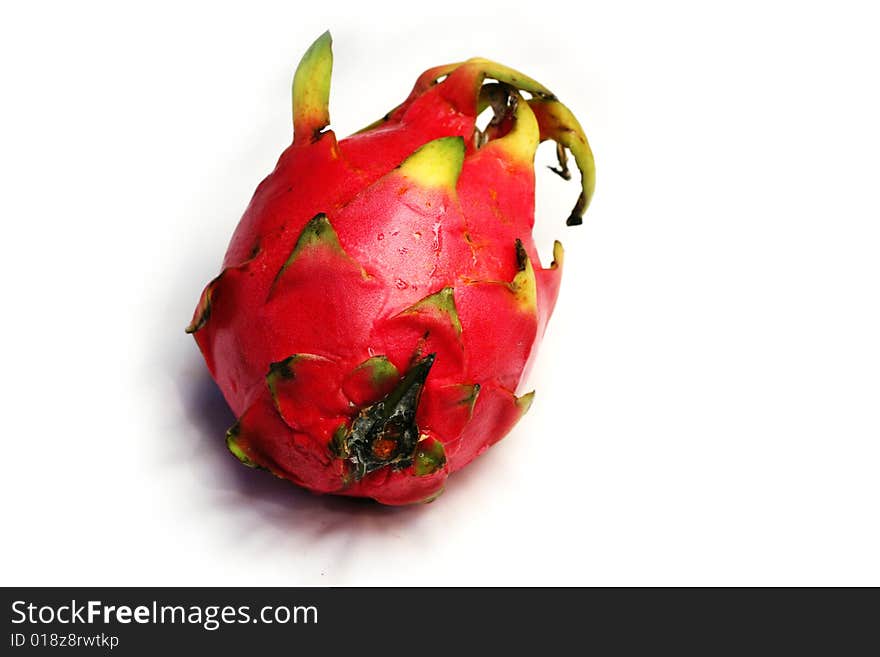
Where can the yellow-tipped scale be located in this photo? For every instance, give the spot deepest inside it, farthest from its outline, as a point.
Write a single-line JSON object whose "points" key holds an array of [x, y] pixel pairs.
{"points": [[523, 139], [440, 303], [524, 285], [437, 164], [311, 91]]}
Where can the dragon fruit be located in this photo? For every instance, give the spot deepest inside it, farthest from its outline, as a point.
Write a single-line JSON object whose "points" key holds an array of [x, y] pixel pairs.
{"points": [[382, 300]]}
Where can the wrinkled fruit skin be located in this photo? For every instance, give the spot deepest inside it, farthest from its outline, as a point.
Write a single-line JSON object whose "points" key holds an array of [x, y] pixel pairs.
{"points": [[382, 299]]}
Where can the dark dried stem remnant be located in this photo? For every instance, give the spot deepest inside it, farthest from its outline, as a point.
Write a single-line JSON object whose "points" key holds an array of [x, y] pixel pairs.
{"points": [[385, 433]]}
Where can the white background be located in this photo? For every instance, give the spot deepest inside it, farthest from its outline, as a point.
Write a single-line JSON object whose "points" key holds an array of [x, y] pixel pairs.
{"points": [[707, 397]]}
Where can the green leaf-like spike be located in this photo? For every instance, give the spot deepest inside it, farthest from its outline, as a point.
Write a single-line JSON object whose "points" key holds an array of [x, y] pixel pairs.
{"points": [[317, 233], [209, 294], [380, 369], [203, 311], [311, 91], [441, 303], [235, 448], [524, 285], [558, 255], [430, 456], [524, 403], [509, 76], [558, 123], [437, 164], [338, 446], [469, 394], [285, 370], [282, 370], [370, 381], [432, 497]]}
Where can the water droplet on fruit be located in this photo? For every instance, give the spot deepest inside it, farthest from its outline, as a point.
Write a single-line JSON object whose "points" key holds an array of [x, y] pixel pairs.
{"points": [[417, 235], [401, 284], [380, 236]]}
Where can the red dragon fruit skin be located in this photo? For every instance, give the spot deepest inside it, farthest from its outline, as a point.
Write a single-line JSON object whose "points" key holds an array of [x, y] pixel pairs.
{"points": [[381, 300]]}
